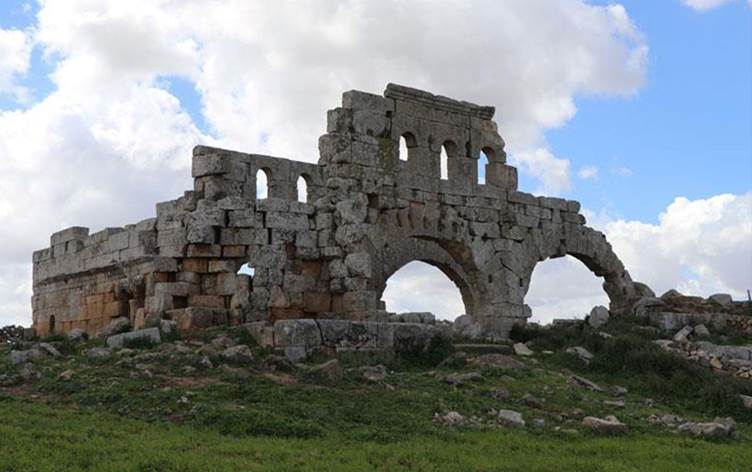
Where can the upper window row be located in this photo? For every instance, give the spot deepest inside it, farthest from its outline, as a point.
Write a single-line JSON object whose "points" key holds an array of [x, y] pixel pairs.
{"points": [[448, 149], [262, 186]]}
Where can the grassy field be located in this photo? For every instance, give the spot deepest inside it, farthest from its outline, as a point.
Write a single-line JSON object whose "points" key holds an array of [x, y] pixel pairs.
{"points": [[158, 408], [38, 437]]}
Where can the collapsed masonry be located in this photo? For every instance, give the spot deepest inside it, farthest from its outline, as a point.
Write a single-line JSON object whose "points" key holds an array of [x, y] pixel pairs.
{"points": [[368, 212]]}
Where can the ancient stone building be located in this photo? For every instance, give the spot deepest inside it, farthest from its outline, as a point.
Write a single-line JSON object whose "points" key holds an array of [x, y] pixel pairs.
{"points": [[368, 212]]}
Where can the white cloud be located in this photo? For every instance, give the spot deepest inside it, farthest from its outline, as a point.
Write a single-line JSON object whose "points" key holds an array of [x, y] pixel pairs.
{"points": [[553, 172], [422, 287], [705, 5], [622, 171], [699, 247], [110, 140], [588, 173], [15, 55]]}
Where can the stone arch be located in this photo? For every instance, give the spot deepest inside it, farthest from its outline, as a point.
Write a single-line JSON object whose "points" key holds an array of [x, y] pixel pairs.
{"points": [[303, 188], [263, 174], [453, 260], [408, 139], [589, 247]]}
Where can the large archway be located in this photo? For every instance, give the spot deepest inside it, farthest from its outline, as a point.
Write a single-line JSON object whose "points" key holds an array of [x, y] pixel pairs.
{"points": [[563, 288], [421, 287]]}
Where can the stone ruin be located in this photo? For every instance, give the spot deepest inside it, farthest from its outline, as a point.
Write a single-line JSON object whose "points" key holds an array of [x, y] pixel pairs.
{"points": [[368, 212]]}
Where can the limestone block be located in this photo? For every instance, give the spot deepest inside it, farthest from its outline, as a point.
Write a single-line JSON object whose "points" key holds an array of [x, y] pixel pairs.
{"points": [[357, 100], [118, 341], [303, 333], [208, 164], [74, 233], [359, 264]]}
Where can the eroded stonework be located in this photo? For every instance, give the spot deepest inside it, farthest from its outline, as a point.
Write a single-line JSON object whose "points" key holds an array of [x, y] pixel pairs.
{"points": [[369, 211]]}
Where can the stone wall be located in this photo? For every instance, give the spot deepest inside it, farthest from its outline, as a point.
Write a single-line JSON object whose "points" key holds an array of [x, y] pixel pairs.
{"points": [[368, 212]]}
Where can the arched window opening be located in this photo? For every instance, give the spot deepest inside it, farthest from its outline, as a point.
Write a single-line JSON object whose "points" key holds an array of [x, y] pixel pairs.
{"points": [[563, 288], [407, 141], [52, 324], [421, 287], [444, 164], [302, 189], [482, 163], [262, 184], [246, 269]]}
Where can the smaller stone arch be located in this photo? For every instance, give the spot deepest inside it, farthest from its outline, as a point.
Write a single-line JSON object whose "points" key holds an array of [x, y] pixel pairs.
{"points": [[407, 143], [303, 187], [263, 183]]}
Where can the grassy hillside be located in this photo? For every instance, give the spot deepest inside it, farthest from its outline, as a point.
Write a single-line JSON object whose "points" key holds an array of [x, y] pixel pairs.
{"points": [[163, 408]]}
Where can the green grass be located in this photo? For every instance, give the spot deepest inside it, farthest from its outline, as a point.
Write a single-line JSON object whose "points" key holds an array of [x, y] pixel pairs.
{"points": [[159, 409], [37, 437]]}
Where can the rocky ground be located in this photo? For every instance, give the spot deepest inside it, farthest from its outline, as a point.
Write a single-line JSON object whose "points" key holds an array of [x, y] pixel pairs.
{"points": [[607, 377]]}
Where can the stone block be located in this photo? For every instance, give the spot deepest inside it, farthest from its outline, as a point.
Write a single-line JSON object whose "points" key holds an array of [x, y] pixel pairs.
{"points": [[119, 341]]}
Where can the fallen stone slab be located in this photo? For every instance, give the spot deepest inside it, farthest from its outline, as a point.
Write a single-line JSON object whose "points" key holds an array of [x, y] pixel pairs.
{"points": [[609, 426], [116, 326], [583, 354], [585, 383], [461, 379], [373, 373], [682, 336], [719, 428], [119, 340]]}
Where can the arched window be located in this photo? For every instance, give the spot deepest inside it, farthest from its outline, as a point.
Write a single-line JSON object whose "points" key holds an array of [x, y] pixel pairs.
{"points": [[52, 324], [482, 163], [407, 142], [302, 186], [262, 184], [448, 150]]}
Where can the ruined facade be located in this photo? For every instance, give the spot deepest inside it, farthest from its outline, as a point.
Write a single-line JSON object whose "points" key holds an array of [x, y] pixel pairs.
{"points": [[368, 212]]}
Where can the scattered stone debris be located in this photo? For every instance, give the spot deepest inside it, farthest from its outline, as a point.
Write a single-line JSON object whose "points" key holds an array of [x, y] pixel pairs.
{"points": [[746, 401], [499, 361], [531, 401], [22, 357], [120, 340]]}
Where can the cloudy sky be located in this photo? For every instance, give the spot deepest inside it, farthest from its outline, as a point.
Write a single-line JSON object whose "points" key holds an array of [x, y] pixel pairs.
{"points": [[640, 110]]}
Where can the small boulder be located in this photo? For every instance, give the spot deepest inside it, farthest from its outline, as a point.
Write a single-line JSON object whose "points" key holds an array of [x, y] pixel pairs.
{"points": [[719, 428], [451, 418], [522, 350], [510, 418], [609, 425], [240, 354], [701, 331], [29, 355], [619, 391], [222, 342], [461, 379], [168, 327], [50, 349], [206, 363], [682, 336], [275, 363], [330, 371], [116, 326], [499, 393], [373, 373], [722, 299], [671, 294], [746, 401], [77, 335], [98, 353], [529, 400], [583, 354], [598, 316], [67, 375]]}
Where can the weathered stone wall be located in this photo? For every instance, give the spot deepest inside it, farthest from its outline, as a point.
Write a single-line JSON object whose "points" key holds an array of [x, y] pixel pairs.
{"points": [[369, 211]]}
